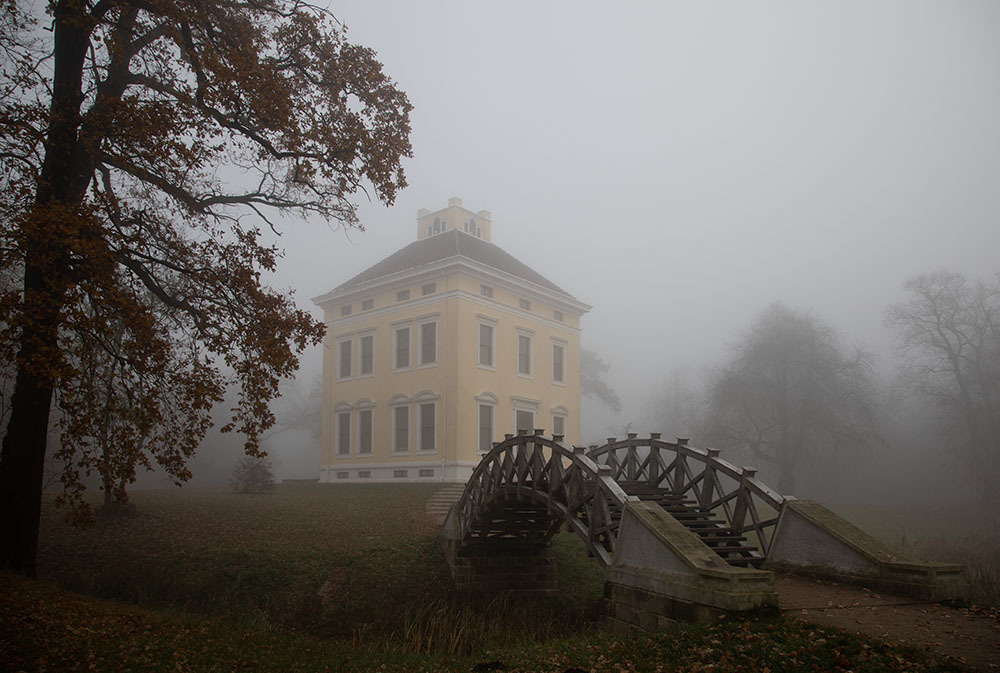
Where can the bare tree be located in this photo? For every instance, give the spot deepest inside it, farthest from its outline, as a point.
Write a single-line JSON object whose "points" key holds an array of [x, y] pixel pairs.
{"points": [[949, 333], [592, 369], [790, 392]]}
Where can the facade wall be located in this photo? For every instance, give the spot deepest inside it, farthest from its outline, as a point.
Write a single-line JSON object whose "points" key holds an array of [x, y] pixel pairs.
{"points": [[457, 297]]}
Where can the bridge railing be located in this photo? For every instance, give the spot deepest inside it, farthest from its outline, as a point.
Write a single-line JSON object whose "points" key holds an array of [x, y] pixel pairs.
{"points": [[533, 468], [747, 506]]}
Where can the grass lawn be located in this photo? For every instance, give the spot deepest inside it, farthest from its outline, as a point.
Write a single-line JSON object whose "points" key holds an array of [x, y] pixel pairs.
{"points": [[315, 577]]}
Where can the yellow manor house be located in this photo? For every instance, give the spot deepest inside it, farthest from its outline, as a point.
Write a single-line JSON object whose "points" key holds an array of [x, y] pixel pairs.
{"points": [[441, 349]]}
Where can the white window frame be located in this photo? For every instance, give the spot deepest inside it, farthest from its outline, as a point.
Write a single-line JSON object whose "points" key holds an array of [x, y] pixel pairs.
{"points": [[524, 404], [340, 410], [396, 403], [349, 340], [421, 399], [530, 336], [362, 374], [396, 329], [559, 412], [561, 345], [420, 343], [492, 325], [487, 400], [362, 406]]}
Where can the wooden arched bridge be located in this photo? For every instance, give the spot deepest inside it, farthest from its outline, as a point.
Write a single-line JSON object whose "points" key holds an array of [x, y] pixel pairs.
{"points": [[680, 532]]}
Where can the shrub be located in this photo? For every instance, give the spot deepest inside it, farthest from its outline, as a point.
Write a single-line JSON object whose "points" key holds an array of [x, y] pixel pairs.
{"points": [[252, 475]]}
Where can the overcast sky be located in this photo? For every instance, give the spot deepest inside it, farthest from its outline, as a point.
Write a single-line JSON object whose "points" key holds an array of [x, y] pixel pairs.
{"points": [[682, 166]]}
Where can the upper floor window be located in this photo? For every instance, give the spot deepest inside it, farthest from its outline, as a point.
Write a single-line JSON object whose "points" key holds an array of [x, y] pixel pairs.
{"points": [[558, 363], [402, 295], [524, 304], [429, 288], [486, 345], [557, 315], [524, 354], [345, 310], [428, 343], [486, 291], [344, 370], [367, 304], [401, 349], [438, 226], [367, 348]]}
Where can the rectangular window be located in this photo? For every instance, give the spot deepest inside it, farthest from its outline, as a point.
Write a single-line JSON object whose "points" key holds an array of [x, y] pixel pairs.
{"points": [[343, 475], [364, 474], [426, 473], [367, 304], [365, 431], [345, 360], [345, 310], [485, 428], [557, 315], [399, 474], [486, 345], [344, 433], [402, 295], [428, 343], [402, 348], [427, 426], [367, 365], [524, 304], [558, 425], [429, 288], [401, 429], [524, 420], [524, 354], [558, 363], [486, 291]]}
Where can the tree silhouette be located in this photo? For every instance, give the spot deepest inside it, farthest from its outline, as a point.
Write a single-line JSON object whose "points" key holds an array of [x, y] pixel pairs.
{"points": [[949, 332], [789, 392]]}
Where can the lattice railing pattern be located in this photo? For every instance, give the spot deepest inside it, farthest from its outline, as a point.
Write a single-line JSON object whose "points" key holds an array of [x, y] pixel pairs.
{"points": [[530, 469], [734, 494]]}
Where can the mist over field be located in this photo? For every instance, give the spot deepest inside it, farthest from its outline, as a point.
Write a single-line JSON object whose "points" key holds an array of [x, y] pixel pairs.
{"points": [[681, 168]]}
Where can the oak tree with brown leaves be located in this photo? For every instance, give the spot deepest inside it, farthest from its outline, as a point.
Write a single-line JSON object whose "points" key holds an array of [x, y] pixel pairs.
{"points": [[143, 145]]}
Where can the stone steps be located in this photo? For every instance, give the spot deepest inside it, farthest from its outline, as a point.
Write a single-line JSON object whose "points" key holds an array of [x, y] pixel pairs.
{"points": [[438, 504]]}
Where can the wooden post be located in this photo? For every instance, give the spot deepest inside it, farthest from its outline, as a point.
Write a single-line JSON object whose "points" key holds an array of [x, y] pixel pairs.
{"points": [[654, 459], [740, 513], [632, 460], [709, 480]]}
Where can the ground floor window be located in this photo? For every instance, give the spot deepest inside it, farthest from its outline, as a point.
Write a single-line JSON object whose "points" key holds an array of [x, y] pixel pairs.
{"points": [[428, 428], [344, 433], [485, 428]]}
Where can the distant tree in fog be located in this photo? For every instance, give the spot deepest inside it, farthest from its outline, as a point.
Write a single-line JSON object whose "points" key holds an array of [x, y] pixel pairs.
{"points": [[592, 368], [949, 332], [675, 408], [298, 410], [790, 391]]}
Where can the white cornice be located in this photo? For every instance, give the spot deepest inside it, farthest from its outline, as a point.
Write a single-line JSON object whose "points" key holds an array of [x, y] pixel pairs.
{"points": [[445, 266], [337, 326]]}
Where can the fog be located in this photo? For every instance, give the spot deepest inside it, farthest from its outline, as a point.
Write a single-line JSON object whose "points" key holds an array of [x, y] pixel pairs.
{"points": [[681, 166]]}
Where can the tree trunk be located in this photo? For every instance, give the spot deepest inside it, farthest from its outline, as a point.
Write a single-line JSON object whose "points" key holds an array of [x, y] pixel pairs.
{"points": [[22, 460], [47, 232]]}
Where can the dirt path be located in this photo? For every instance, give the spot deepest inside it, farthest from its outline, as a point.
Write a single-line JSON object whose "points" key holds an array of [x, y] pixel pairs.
{"points": [[968, 636]]}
